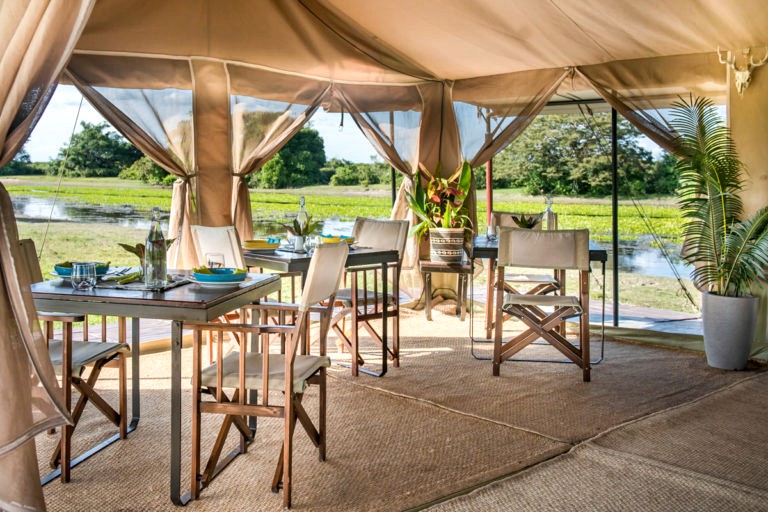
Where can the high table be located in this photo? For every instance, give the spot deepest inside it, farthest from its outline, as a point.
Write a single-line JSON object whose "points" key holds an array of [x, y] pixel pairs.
{"points": [[293, 262], [189, 302], [485, 248]]}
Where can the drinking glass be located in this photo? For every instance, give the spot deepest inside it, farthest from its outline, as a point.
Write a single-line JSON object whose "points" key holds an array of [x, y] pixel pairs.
{"points": [[490, 232], [83, 276], [214, 260]]}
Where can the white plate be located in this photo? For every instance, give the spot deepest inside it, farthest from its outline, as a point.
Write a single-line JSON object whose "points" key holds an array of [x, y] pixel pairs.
{"points": [[56, 274], [231, 284]]}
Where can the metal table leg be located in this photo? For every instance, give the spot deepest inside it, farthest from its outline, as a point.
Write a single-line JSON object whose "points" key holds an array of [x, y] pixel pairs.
{"points": [[176, 332]]}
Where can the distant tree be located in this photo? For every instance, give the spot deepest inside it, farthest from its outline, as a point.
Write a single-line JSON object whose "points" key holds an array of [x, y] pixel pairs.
{"points": [[97, 152], [297, 164], [147, 171], [348, 173], [20, 165], [570, 155]]}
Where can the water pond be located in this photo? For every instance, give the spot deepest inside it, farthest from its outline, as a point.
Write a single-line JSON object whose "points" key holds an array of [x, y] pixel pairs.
{"points": [[640, 257]]}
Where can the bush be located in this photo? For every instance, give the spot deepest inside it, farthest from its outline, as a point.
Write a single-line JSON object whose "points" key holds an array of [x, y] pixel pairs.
{"points": [[147, 171]]}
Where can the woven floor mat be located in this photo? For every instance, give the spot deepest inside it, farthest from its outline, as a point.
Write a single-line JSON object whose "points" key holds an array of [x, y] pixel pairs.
{"points": [[384, 453], [592, 478], [707, 455], [552, 399]]}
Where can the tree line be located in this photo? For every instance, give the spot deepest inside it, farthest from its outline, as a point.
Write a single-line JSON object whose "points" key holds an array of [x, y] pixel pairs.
{"points": [[556, 154]]}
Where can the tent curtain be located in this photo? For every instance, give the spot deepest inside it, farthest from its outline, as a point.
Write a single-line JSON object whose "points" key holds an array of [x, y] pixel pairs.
{"points": [[36, 39], [153, 109], [32, 400], [388, 116], [266, 111], [493, 111], [641, 90]]}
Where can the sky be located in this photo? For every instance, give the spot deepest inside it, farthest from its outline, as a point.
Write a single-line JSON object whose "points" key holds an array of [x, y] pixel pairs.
{"points": [[55, 127]]}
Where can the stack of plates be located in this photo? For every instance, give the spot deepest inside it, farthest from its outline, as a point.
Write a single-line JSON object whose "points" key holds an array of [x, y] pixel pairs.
{"points": [[333, 239], [262, 244], [218, 277]]}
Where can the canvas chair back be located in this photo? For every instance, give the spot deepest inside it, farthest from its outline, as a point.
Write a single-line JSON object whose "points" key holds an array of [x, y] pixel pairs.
{"points": [[29, 255], [220, 239], [381, 234], [559, 249], [324, 275]]}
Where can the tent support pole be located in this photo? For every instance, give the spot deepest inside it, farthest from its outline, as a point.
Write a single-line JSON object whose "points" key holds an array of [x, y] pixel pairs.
{"points": [[394, 187], [488, 191], [615, 213]]}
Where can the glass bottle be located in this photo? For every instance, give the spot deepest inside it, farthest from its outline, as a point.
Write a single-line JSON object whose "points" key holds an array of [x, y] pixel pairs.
{"points": [[302, 217], [155, 269], [548, 217]]}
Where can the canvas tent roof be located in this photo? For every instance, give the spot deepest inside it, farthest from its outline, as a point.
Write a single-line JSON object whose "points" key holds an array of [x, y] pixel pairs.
{"points": [[210, 90]]}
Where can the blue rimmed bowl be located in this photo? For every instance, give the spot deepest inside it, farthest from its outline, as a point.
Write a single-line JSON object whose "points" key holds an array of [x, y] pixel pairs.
{"points": [[66, 270], [219, 275]]}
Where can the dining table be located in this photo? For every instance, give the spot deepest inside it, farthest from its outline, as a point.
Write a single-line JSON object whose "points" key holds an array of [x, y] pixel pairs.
{"points": [[183, 301], [289, 261]]}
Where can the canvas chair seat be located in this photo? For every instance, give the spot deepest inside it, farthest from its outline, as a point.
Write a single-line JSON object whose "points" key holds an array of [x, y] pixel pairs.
{"points": [[84, 353], [304, 367], [531, 278], [525, 299]]}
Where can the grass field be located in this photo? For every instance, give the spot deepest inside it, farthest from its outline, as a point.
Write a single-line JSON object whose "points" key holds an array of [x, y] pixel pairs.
{"points": [[347, 203], [69, 240]]}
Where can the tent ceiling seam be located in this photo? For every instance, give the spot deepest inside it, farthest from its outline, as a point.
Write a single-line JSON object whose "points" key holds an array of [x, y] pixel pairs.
{"points": [[357, 47], [248, 65], [581, 29]]}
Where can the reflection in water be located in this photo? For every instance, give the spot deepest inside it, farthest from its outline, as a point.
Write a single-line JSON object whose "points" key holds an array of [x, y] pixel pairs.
{"points": [[43, 208], [634, 257]]}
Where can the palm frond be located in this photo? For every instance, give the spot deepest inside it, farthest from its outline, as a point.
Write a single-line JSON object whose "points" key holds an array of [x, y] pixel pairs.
{"points": [[728, 254]]}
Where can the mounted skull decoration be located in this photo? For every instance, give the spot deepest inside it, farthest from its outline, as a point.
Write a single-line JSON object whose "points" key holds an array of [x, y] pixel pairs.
{"points": [[742, 72]]}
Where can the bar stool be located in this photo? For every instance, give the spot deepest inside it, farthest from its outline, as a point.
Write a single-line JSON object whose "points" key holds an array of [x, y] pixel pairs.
{"points": [[463, 269]]}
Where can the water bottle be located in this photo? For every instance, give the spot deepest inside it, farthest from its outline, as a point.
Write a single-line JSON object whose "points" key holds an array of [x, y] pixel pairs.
{"points": [[155, 269]]}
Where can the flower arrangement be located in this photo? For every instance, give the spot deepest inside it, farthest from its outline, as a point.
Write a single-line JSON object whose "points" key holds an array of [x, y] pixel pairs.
{"points": [[442, 203]]}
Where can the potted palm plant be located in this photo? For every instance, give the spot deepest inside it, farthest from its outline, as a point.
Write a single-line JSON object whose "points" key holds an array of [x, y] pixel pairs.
{"points": [[441, 210], [729, 254]]}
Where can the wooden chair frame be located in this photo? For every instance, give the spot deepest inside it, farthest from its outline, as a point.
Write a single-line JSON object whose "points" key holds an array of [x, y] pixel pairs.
{"points": [[244, 401], [62, 454], [540, 324]]}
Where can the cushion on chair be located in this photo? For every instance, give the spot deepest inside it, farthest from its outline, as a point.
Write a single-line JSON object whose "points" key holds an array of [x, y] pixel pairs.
{"points": [[303, 367], [542, 300], [84, 352], [345, 295]]}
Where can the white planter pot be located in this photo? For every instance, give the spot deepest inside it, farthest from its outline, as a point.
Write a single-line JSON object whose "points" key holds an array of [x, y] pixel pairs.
{"points": [[729, 329], [446, 245], [298, 243]]}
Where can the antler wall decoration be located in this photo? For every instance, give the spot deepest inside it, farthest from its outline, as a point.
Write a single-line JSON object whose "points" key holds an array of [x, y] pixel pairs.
{"points": [[742, 72]]}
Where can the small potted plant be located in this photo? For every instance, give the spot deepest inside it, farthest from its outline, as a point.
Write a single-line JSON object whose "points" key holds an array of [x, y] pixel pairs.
{"points": [[442, 211], [730, 254], [300, 228]]}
